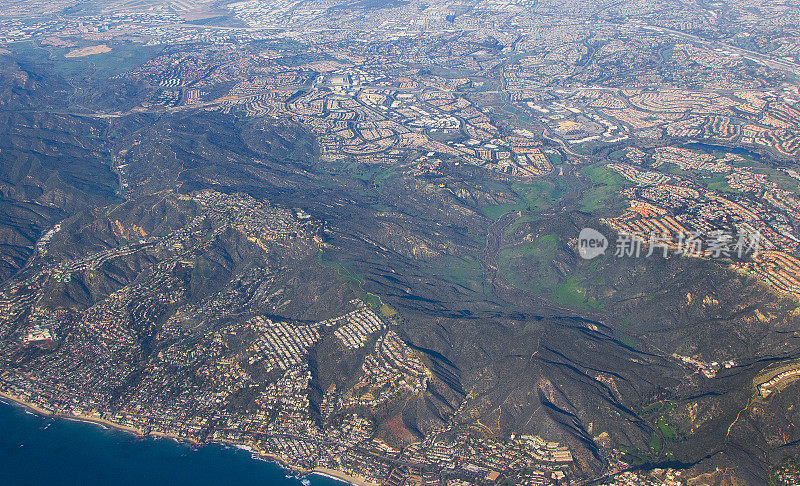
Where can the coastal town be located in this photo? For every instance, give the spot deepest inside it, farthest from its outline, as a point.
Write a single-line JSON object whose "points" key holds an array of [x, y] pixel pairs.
{"points": [[339, 235], [244, 382]]}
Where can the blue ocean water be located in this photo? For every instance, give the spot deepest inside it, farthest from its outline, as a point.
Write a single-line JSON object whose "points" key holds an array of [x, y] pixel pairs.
{"points": [[38, 450]]}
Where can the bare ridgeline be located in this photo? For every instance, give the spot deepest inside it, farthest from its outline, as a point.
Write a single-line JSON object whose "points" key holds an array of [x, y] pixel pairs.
{"points": [[344, 234]]}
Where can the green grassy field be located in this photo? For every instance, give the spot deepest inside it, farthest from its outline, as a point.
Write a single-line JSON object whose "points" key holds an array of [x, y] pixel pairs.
{"points": [[530, 268], [718, 183], [572, 294], [533, 197], [606, 185], [373, 175]]}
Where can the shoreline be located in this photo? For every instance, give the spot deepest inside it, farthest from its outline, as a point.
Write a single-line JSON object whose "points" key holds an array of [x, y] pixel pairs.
{"points": [[12, 400], [340, 476], [75, 418]]}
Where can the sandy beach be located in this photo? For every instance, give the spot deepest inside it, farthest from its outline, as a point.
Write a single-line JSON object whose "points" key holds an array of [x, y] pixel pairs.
{"points": [[332, 473], [80, 418]]}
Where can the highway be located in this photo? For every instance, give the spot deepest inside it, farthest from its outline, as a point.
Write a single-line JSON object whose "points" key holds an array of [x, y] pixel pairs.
{"points": [[763, 59]]}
